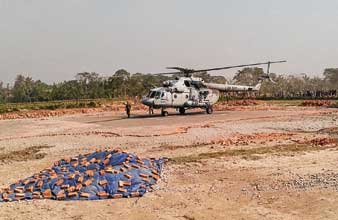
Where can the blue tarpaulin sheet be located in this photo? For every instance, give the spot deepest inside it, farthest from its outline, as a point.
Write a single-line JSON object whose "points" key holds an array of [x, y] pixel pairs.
{"points": [[99, 175]]}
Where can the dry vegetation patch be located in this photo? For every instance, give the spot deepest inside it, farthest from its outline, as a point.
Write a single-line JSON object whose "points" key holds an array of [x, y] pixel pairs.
{"points": [[255, 153], [30, 153]]}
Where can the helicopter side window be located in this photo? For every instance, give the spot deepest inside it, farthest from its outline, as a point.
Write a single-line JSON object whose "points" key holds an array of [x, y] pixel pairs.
{"points": [[205, 93], [187, 83]]}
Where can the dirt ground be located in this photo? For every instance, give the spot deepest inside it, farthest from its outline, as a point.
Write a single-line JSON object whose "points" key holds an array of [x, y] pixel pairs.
{"points": [[257, 163]]}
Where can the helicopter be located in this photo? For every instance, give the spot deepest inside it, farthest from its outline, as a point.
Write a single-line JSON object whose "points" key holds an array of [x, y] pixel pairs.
{"points": [[188, 92]]}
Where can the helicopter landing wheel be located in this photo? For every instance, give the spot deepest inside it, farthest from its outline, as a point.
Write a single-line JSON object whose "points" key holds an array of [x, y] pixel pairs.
{"points": [[209, 109], [182, 110], [164, 113]]}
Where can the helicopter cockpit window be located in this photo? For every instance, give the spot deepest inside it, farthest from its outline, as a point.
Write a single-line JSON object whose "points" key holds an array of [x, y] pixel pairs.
{"points": [[187, 83], [162, 95], [152, 94], [157, 95]]}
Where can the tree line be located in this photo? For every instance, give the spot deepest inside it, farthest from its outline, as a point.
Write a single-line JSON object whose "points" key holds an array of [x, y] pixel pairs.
{"points": [[122, 84]]}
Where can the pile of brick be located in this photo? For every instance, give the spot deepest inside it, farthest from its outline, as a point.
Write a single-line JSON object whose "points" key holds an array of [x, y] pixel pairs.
{"points": [[320, 141], [255, 138], [324, 103], [100, 175]]}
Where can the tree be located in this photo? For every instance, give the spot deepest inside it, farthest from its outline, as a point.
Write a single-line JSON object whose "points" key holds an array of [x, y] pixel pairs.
{"points": [[22, 89], [331, 76], [2, 93], [248, 76]]}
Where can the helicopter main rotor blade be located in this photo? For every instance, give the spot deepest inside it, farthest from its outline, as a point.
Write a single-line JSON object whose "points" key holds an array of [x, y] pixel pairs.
{"points": [[188, 72], [170, 73], [245, 65]]}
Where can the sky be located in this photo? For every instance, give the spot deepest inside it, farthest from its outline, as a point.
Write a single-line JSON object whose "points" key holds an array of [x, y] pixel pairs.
{"points": [[53, 40]]}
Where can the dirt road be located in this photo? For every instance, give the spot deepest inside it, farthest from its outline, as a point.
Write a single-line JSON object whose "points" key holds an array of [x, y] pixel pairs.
{"points": [[250, 164]]}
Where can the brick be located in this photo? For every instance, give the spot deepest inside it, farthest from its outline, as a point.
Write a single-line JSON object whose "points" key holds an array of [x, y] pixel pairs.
{"points": [[80, 179], [78, 187], [112, 171], [36, 176], [29, 189], [126, 166], [134, 194], [19, 189], [106, 161], [39, 183], [74, 164], [90, 173], [103, 182], [145, 179], [85, 164], [65, 186], [37, 197], [20, 195], [117, 150], [6, 198], [26, 181], [36, 193], [53, 176], [127, 175], [71, 189], [72, 194], [155, 177], [71, 176], [87, 182], [47, 194], [85, 195], [59, 182], [7, 190], [124, 183], [61, 195], [121, 190], [102, 194], [140, 161], [135, 166], [143, 175], [117, 196]]}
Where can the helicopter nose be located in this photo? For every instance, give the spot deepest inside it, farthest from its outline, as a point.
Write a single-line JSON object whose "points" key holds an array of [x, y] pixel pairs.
{"points": [[147, 101]]}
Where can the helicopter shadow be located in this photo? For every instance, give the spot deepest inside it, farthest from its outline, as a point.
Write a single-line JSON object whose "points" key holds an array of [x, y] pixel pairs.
{"points": [[172, 115], [145, 116]]}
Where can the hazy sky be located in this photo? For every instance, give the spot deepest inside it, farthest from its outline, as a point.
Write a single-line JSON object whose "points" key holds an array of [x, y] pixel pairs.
{"points": [[52, 40]]}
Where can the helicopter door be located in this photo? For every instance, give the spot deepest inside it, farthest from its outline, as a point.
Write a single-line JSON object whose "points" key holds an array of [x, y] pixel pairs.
{"points": [[179, 99]]}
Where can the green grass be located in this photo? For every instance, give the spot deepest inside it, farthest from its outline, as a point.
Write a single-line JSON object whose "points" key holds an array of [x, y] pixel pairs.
{"points": [[53, 105]]}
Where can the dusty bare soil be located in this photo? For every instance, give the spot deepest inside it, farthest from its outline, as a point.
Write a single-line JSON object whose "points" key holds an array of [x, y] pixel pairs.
{"points": [[257, 163]]}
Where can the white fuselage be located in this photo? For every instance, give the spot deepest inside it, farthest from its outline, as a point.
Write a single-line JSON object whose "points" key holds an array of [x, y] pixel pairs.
{"points": [[189, 92]]}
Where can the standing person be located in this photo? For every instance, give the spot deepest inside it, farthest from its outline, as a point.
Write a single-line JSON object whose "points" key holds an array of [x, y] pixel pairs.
{"points": [[128, 108]]}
